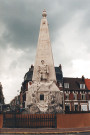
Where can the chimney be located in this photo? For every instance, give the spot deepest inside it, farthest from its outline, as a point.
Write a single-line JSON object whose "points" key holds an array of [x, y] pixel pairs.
{"points": [[60, 66], [32, 66], [83, 77]]}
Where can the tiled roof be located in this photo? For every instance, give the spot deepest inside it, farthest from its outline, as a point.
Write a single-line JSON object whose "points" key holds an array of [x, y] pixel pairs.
{"points": [[87, 82], [74, 83]]}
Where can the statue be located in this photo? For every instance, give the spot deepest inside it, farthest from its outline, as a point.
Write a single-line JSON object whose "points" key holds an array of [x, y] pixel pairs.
{"points": [[43, 71]]}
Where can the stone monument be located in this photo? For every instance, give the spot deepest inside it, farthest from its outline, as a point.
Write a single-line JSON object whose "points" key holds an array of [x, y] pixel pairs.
{"points": [[43, 96]]}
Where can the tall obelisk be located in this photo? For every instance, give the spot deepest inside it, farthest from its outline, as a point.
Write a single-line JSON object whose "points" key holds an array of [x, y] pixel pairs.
{"points": [[44, 95], [44, 50]]}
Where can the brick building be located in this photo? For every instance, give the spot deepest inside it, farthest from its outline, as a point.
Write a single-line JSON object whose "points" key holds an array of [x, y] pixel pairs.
{"points": [[76, 94]]}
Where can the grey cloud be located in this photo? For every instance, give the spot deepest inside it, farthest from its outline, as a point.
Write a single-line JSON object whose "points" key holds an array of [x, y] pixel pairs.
{"points": [[86, 20], [22, 18], [13, 65]]}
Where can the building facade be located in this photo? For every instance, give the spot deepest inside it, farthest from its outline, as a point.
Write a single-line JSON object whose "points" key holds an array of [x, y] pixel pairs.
{"points": [[76, 94]]}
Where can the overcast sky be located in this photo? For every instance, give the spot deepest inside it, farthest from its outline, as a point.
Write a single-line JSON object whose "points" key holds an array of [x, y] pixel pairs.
{"points": [[69, 27]]}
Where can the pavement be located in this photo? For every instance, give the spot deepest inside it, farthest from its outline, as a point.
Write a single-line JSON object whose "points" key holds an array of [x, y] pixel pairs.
{"points": [[44, 131]]}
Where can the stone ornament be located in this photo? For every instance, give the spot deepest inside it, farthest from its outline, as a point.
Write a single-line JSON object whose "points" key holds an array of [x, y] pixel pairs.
{"points": [[43, 72]]}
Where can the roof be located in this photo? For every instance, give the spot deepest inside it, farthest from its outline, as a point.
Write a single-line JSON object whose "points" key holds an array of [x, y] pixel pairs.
{"points": [[28, 75], [74, 83], [59, 75], [87, 82]]}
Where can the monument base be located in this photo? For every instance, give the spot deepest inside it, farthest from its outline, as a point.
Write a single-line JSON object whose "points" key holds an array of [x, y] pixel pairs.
{"points": [[43, 98]]}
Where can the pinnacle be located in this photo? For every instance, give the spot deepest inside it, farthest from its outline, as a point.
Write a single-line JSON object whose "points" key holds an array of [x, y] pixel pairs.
{"points": [[44, 14], [44, 52]]}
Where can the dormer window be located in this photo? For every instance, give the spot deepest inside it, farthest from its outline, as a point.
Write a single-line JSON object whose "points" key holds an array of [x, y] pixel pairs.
{"points": [[66, 85], [82, 86]]}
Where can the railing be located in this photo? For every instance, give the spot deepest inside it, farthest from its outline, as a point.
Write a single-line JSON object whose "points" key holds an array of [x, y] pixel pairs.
{"points": [[29, 120]]}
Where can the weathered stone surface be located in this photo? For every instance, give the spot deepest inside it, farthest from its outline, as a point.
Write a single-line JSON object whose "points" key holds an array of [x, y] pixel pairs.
{"points": [[52, 95], [44, 78], [44, 51], [34, 109]]}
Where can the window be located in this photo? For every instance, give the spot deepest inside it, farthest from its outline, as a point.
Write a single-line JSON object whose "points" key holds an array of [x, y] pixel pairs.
{"points": [[67, 96], [67, 108], [66, 85], [41, 97], [83, 107], [76, 107], [75, 96], [60, 84], [83, 96], [82, 86]]}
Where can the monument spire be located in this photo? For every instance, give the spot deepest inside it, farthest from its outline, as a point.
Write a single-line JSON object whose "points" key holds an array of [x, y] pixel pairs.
{"points": [[44, 56], [43, 91]]}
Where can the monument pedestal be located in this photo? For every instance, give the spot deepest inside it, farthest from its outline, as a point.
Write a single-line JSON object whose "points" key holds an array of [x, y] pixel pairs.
{"points": [[46, 96]]}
